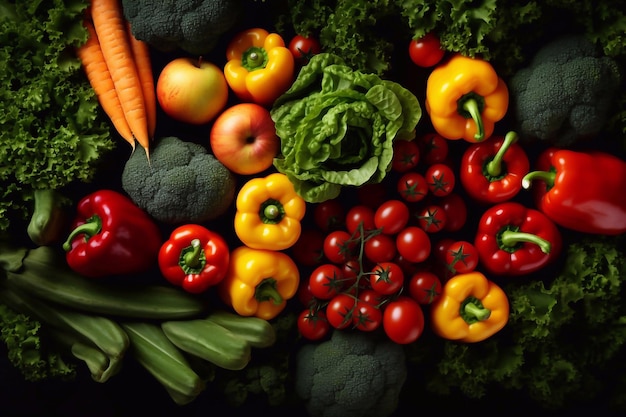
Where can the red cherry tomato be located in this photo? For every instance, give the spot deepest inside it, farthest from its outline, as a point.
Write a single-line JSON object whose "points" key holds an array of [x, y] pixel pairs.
{"points": [[303, 48], [380, 248], [367, 317], [412, 187], [413, 244], [386, 278], [313, 325], [326, 281], [425, 287], [406, 155], [372, 297], [339, 246], [426, 51], [304, 294], [360, 214], [456, 211], [440, 249], [350, 270], [441, 179], [403, 320], [391, 216], [432, 218], [462, 257], [434, 148], [329, 215], [340, 310]]}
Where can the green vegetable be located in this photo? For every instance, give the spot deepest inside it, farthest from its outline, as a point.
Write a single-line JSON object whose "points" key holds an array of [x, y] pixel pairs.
{"points": [[192, 25], [258, 332], [352, 374], [566, 91], [564, 343], [53, 132], [337, 127], [181, 183], [50, 217]]}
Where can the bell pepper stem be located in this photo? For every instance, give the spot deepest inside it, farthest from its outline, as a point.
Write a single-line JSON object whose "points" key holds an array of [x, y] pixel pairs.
{"points": [[192, 256], [254, 58], [494, 167], [267, 291], [546, 176], [90, 228], [477, 312], [472, 106], [510, 239]]}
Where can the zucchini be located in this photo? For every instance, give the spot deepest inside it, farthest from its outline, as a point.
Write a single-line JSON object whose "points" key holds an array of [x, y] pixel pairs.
{"points": [[258, 332]]}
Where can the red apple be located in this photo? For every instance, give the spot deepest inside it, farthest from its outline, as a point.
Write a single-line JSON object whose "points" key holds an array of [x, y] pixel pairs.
{"points": [[243, 138], [191, 90]]}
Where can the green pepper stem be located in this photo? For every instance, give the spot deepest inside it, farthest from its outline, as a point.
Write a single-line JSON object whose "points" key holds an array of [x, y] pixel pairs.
{"points": [[478, 312], [254, 58], [472, 107], [271, 211], [494, 167], [192, 257], [510, 238], [267, 291], [546, 176], [90, 228]]}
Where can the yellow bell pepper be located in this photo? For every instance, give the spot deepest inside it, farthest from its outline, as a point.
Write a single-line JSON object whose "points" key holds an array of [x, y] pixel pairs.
{"points": [[259, 282], [259, 66], [464, 98], [268, 213], [471, 308]]}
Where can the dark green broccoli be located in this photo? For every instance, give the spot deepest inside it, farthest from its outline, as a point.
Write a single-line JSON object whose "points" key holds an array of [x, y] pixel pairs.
{"points": [[192, 25], [566, 92], [180, 183], [353, 374]]}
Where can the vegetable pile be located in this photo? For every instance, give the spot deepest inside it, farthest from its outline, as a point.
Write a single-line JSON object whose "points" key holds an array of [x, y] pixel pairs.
{"points": [[324, 215]]}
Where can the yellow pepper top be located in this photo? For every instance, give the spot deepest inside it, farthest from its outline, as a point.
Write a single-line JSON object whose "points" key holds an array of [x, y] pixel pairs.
{"points": [[464, 98], [471, 308]]}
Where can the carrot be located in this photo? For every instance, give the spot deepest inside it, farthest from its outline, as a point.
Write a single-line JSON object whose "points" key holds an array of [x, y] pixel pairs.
{"points": [[141, 53], [110, 27], [99, 77]]}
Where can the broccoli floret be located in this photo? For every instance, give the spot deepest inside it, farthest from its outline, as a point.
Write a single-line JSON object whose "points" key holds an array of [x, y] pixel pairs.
{"points": [[180, 183], [566, 92], [192, 25], [351, 374]]}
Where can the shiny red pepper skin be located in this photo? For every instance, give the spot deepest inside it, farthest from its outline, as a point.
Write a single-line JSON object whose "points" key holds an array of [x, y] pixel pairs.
{"points": [[194, 258], [492, 171], [581, 191], [515, 240], [111, 236]]}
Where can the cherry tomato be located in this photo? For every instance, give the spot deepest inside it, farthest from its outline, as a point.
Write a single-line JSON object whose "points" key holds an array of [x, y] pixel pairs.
{"points": [[391, 216], [462, 257], [440, 178], [329, 215], [360, 214], [326, 281], [434, 148], [426, 51], [441, 249], [304, 294], [372, 195], [372, 297], [303, 48], [456, 211], [425, 287], [380, 248], [386, 278], [313, 325], [367, 317], [350, 271], [309, 248], [340, 310], [406, 155], [403, 320], [432, 218], [412, 187], [413, 243], [339, 246]]}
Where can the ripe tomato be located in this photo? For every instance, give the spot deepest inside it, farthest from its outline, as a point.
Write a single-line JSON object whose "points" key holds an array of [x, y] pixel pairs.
{"points": [[434, 148], [380, 248], [387, 278], [441, 249], [441, 179], [309, 248], [326, 281], [367, 317], [456, 211], [339, 246], [303, 48], [425, 287], [372, 297], [329, 215], [413, 244], [462, 257], [406, 155], [426, 51], [403, 320], [340, 310], [432, 218], [360, 214], [312, 324], [304, 294], [412, 187], [350, 271], [391, 216]]}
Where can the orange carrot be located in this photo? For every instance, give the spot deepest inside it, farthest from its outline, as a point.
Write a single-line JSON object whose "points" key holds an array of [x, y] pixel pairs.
{"points": [[141, 53], [110, 27], [99, 77]]}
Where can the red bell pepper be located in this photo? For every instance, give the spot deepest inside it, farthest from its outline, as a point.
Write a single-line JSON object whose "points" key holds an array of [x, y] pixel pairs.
{"points": [[111, 236], [194, 258], [515, 240], [492, 171], [581, 191]]}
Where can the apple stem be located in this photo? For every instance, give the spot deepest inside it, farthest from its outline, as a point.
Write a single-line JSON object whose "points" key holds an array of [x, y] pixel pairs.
{"points": [[199, 61]]}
